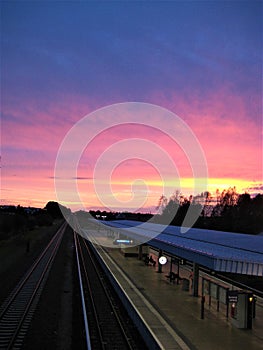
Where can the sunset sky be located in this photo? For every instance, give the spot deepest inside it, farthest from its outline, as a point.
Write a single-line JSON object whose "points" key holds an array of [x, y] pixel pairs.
{"points": [[63, 60]]}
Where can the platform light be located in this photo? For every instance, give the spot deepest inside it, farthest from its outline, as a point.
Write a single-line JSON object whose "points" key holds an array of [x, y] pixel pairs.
{"points": [[162, 260]]}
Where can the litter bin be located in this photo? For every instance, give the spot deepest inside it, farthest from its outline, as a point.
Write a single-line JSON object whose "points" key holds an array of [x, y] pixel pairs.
{"points": [[185, 284]]}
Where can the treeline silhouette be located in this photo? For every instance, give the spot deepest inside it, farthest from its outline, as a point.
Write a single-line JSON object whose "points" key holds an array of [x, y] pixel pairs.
{"points": [[226, 211], [17, 219]]}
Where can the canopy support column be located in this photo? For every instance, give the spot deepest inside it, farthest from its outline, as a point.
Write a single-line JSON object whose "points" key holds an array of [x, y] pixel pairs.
{"points": [[160, 270], [195, 279], [140, 252]]}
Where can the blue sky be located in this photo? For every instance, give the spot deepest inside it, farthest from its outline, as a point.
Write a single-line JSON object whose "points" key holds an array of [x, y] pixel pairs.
{"points": [[131, 48]]}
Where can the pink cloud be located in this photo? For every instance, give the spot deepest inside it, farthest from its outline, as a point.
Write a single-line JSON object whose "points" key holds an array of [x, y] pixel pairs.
{"points": [[228, 127], [228, 131]]}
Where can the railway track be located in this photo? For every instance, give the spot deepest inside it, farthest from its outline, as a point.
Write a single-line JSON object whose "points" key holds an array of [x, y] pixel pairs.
{"points": [[17, 310], [107, 323]]}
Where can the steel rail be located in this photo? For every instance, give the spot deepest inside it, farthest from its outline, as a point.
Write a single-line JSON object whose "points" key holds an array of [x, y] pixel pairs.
{"points": [[86, 324], [13, 294], [17, 312], [109, 299], [95, 312]]}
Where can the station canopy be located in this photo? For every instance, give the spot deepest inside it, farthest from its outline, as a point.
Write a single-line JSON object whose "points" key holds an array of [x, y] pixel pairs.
{"points": [[216, 250]]}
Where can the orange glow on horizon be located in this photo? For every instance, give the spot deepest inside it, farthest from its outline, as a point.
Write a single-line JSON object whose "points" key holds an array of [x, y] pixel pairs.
{"points": [[36, 193]]}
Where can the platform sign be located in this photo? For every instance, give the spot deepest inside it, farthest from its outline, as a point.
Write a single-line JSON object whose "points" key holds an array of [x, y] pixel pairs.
{"points": [[232, 296], [123, 241]]}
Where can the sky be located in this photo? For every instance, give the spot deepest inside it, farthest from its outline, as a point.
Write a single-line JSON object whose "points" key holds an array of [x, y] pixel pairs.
{"points": [[61, 61]]}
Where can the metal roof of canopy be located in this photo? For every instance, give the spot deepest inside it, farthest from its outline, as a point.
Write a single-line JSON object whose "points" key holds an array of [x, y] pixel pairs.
{"points": [[217, 250]]}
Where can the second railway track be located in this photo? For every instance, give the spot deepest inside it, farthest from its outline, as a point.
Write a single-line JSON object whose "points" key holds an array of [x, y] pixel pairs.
{"points": [[17, 310]]}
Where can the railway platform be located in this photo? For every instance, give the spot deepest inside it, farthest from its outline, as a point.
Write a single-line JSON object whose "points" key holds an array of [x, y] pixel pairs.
{"points": [[172, 314]]}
